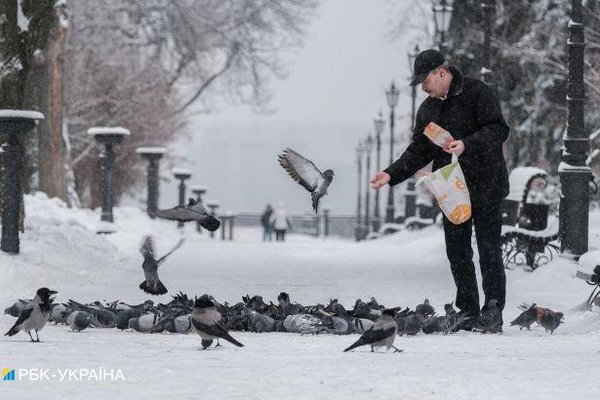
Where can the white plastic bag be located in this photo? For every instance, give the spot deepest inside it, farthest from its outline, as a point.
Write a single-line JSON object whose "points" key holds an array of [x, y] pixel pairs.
{"points": [[447, 184]]}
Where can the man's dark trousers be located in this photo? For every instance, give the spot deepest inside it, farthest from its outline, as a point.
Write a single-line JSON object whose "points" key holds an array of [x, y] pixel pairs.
{"points": [[487, 220]]}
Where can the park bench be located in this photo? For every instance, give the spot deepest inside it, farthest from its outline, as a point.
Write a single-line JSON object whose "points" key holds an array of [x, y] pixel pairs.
{"points": [[527, 235]]}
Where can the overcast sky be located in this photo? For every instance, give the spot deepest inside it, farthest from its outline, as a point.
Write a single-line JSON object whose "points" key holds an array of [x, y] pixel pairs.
{"points": [[334, 89]]}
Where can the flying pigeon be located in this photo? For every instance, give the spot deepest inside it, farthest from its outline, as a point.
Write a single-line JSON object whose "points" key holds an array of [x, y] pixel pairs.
{"points": [[306, 174], [193, 211], [152, 283]]}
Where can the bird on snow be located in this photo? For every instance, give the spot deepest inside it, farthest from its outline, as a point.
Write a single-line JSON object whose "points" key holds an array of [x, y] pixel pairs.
{"points": [[382, 333], [152, 283], [35, 315], [60, 313], [425, 309], [286, 306], [548, 319], [79, 320], [193, 211], [16, 308], [306, 174], [143, 323], [102, 317], [206, 322], [490, 320], [526, 318]]}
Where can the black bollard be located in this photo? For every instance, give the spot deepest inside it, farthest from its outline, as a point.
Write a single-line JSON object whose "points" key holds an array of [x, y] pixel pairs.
{"points": [[326, 221], [108, 136], [410, 208], [199, 191], [182, 175], [13, 123], [153, 156], [231, 223], [224, 221]]}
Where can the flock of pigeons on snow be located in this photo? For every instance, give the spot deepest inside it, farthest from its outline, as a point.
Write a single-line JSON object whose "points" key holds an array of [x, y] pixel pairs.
{"points": [[211, 320]]}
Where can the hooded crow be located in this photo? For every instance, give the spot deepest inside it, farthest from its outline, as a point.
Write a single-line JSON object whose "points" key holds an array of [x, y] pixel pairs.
{"points": [[35, 315], [382, 333], [206, 322], [306, 174]]}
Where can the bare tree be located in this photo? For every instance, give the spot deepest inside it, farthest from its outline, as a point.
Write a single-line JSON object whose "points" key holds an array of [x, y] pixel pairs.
{"points": [[143, 64]]}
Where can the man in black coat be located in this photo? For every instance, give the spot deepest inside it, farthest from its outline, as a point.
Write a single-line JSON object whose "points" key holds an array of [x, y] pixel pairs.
{"points": [[469, 110]]}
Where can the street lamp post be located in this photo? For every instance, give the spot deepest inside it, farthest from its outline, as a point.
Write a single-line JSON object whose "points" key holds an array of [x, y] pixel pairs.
{"points": [[489, 7], [410, 204], [108, 136], [392, 99], [575, 175], [379, 127], [182, 175], [360, 150], [199, 191], [442, 12], [13, 123], [153, 156], [368, 148]]}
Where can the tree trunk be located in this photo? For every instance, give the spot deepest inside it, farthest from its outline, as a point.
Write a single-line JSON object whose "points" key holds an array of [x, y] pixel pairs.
{"points": [[51, 154]]}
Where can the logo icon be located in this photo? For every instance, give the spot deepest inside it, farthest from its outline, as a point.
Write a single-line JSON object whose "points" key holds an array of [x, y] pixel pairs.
{"points": [[8, 374]]}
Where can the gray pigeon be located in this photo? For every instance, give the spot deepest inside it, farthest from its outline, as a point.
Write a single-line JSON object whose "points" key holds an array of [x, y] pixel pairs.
{"points": [[258, 322], [306, 174], [35, 315], [193, 211], [287, 308], [102, 317], [382, 333], [425, 309], [526, 318], [206, 322], [449, 308], [152, 283], [143, 323], [549, 320], [79, 320], [16, 308], [490, 320], [60, 313]]}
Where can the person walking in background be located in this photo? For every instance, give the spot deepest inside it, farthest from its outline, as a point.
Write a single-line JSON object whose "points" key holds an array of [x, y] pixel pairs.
{"points": [[265, 220], [470, 111], [280, 223]]}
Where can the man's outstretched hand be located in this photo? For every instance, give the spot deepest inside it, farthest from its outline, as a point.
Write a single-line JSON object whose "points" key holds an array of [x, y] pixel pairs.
{"points": [[379, 179]]}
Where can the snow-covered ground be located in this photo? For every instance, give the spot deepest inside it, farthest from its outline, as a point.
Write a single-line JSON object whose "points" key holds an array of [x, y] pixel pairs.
{"points": [[61, 250]]}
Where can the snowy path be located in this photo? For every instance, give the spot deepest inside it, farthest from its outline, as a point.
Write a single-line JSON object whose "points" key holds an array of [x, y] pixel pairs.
{"points": [[61, 252]]}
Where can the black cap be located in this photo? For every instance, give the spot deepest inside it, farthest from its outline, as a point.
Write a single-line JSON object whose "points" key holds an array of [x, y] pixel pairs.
{"points": [[425, 62]]}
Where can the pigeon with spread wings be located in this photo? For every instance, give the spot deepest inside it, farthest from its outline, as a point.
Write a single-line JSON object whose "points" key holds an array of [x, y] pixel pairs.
{"points": [[306, 174], [193, 211], [152, 283]]}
